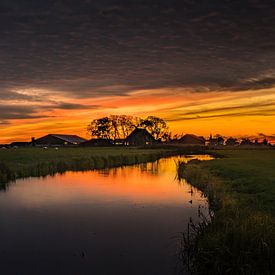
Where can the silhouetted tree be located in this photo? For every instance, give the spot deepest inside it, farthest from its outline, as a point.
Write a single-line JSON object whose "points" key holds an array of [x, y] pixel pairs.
{"points": [[100, 128], [120, 126], [113, 127], [157, 127], [265, 142]]}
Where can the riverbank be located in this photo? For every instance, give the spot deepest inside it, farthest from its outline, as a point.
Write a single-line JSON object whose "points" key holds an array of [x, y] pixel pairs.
{"points": [[32, 161], [240, 238]]}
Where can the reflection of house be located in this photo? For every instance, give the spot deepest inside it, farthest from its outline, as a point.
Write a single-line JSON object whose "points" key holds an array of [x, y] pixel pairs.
{"points": [[58, 140], [192, 140], [97, 142], [139, 137]]}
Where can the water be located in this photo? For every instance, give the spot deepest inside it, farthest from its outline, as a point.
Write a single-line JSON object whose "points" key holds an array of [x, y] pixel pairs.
{"points": [[117, 221]]}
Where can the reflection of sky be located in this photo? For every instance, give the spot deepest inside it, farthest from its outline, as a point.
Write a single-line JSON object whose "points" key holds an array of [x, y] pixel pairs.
{"points": [[203, 66], [150, 183], [126, 221]]}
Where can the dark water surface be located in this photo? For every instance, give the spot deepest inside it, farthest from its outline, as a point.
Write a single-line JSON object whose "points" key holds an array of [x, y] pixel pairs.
{"points": [[116, 221]]}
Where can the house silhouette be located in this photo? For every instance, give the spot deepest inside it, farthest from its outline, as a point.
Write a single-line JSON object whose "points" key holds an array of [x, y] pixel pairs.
{"points": [[58, 140], [139, 137]]}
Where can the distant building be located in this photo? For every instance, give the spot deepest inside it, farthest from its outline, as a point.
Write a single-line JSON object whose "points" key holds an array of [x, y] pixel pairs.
{"points": [[119, 141], [139, 137], [215, 141], [192, 140], [231, 142], [58, 140], [97, 142], [246, 141]]}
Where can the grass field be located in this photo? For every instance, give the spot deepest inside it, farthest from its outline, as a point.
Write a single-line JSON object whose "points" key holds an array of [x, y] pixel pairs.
{"points": [[240, 238]]}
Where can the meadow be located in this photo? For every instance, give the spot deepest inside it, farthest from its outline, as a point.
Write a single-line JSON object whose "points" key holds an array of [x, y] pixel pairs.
{"points": [[240, 237]]}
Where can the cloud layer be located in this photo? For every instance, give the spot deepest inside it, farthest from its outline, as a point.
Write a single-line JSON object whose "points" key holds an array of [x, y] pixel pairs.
{"points": [[81, 46]]}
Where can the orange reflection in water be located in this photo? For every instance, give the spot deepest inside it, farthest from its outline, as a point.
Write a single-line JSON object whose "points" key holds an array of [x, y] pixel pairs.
{"points": [[153, 183]]}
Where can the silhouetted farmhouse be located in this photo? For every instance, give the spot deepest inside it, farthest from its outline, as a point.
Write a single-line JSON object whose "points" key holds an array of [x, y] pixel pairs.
{"points": [[119, 141], [192, 140], [139, 137], [58, 140], [97, 142]]}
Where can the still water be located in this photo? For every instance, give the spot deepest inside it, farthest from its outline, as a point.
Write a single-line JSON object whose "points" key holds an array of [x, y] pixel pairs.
{"points": [[117, 221]]}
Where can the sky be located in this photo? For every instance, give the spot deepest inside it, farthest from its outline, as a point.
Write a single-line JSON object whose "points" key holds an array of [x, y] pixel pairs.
{"points": [[203, 66]]}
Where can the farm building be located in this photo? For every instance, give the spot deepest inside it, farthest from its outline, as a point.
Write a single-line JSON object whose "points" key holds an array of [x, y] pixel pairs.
{"points": [[231, 141], [97, 142], [119, 141], [58, 140], [139, 137], [192, 140], [215, 141]]}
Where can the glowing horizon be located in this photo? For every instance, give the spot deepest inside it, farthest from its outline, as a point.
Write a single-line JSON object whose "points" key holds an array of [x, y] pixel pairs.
{"points": [[186, 111]]}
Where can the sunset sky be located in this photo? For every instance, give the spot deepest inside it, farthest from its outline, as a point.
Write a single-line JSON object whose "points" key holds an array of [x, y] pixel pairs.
{"points": [[204, 66]]}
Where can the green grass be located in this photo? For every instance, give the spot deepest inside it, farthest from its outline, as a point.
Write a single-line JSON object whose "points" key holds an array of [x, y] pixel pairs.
{"points": [[240, 238], [31, 161]]}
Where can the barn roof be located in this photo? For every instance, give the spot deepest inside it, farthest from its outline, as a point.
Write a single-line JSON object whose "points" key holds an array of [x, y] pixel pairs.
{"points": [[69, 138], [138, 131], [97, 142]]}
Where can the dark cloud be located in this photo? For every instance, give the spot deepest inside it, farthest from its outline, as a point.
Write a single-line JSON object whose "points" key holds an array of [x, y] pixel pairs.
{"points": [[251, 109], [230, 108], [15, 111], [70, 106], [84, 48], [73, 106], [233, 114]]}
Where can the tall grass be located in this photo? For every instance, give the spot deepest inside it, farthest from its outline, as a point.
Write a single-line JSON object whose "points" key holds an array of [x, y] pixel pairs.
{"points": [[240, 237]]}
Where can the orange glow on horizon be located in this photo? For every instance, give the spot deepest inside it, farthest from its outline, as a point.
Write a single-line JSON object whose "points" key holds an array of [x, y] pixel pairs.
{"points": [[243, 113]]}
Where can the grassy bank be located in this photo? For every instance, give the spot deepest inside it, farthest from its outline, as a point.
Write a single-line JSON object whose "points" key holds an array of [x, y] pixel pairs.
{"points": [[26, 162], [240, 238]]}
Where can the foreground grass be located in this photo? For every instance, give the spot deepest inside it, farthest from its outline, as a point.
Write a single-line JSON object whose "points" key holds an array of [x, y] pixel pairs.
{"points": [[26, 162], [240, 238]]}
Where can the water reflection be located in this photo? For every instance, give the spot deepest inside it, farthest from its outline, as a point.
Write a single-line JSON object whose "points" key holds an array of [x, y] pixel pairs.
{"points": [[114, 221]]}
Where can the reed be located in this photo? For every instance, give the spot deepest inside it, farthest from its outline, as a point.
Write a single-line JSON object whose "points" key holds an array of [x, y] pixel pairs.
{"points": [[239, 238]]}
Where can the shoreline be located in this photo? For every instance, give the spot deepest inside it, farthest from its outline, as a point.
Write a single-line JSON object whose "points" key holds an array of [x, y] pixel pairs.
{"points": [[239, 236]]}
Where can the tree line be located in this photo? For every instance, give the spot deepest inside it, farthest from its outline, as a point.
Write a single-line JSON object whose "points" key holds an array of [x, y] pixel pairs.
{"points": [[120, 126]]}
